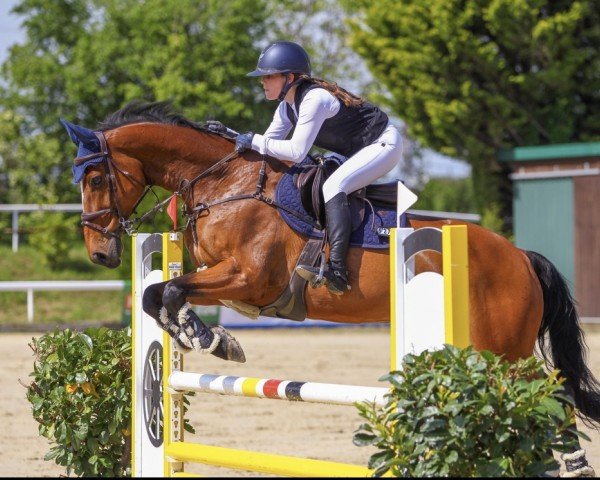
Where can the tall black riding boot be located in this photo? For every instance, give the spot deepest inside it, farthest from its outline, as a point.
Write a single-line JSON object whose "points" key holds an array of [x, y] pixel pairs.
{"points": [[339, 226]]}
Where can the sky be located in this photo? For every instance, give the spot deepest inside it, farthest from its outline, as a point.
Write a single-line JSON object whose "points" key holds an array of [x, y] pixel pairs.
{"points": [[435, 165], [10, 31]]}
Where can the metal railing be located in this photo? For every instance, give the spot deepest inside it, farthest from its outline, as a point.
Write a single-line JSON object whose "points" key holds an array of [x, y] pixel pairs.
{"points": [[16, 208], [60, 285]]}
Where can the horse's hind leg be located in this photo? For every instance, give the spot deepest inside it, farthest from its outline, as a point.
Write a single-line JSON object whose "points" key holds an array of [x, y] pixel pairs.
{"points": [[575, 463]]}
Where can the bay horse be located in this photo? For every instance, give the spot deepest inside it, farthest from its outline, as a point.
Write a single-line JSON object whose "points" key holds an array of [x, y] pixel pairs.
{"points": [[247, 253]]}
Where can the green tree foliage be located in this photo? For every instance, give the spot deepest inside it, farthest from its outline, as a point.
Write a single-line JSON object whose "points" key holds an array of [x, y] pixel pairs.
{"points": [[471, 77], [450, 195], [83, 59]]}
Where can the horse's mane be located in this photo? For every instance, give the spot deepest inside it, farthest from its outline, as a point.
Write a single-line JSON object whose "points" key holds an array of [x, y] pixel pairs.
{"points": [[155, 112]]}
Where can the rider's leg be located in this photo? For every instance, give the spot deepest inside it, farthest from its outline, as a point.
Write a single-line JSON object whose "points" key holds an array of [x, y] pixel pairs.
{"points": [[339, 226], [363, 168]]}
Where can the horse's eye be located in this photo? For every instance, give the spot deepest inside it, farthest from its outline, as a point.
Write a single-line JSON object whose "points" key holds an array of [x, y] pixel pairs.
{"points": [[96, 181]]}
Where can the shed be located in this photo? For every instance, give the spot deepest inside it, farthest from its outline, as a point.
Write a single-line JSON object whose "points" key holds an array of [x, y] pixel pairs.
{"points": [[556, 202]]}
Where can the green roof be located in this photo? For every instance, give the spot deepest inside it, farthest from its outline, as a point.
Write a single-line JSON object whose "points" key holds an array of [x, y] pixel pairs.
{"points": [[549, 152]]}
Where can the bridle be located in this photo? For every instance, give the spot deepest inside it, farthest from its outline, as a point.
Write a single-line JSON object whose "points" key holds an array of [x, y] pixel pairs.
{"points": [[125, 224], [185, 192], [86, 217]]}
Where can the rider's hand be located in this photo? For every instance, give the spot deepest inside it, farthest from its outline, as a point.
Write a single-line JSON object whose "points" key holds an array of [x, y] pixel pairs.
{"points": [[216, 126], [243, 141]]}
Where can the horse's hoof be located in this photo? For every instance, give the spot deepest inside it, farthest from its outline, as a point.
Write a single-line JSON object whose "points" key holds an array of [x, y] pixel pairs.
{"points": [[228, 348]]}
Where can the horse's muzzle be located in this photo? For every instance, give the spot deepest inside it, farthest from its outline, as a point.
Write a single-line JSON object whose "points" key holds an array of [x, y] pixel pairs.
{"points": [[111, 257]]}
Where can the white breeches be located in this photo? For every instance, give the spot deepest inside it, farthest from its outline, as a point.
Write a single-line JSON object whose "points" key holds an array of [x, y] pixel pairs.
{"points": [[366, 165]]}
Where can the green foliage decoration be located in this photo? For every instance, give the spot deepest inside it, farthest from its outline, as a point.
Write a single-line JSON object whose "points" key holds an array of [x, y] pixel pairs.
{"points": [[81, 398], [462, 413]]}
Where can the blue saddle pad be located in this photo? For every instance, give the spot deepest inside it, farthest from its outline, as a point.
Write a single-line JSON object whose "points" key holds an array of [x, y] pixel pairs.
{"points": [[365, 235]]}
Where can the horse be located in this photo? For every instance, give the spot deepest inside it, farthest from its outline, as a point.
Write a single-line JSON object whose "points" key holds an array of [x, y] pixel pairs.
{"points": [[246, 253]]}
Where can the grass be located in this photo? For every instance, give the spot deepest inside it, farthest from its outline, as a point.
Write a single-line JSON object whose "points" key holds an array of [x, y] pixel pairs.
{"points": [[55, 308]]}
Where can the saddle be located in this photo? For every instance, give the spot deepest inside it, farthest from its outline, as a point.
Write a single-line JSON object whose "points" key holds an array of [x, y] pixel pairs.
{"points": [[311, 178]]}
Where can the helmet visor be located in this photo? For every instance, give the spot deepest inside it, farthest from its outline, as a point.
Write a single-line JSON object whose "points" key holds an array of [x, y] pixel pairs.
{"points": [[261, 72]]}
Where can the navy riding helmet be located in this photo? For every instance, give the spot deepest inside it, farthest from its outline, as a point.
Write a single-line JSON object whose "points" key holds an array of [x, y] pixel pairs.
{"points": [[282, 57]]}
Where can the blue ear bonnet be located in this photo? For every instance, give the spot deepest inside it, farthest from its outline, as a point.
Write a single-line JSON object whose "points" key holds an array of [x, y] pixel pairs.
{"points": [[86, 143]]}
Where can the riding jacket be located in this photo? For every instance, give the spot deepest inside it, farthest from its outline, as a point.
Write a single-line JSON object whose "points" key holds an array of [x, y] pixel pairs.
{"points": [[320, 119]]}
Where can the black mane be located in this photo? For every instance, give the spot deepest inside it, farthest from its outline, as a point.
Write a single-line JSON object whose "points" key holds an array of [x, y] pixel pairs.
{"points": [[155, 112]]}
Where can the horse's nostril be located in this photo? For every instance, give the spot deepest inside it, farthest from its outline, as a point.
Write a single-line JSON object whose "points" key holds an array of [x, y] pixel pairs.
{"points": [[106, 260], [99, 258]]}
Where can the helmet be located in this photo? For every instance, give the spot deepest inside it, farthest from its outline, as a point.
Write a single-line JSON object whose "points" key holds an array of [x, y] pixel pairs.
{"points": [[282, 57]]}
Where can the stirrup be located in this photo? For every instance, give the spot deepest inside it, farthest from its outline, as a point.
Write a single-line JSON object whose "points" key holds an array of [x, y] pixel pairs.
{"points": [[313, 275], [329, 277]]}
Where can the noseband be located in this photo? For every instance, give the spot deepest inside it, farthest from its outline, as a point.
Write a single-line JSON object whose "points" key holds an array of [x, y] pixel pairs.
{"points": [[124, 223]]}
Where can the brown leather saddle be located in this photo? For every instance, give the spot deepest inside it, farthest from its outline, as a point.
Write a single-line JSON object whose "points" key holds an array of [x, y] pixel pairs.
{"points": [[310, 185]]}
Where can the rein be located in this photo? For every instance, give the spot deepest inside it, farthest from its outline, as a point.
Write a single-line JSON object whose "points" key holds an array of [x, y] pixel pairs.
{"points": [[186, 188], [195, 212]]}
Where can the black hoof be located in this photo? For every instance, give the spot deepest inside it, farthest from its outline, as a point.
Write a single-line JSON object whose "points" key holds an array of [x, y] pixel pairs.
{"points": [[228, 348]]}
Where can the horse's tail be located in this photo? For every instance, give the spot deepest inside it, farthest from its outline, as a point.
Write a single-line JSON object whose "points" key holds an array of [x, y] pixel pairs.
{"points": [[561, 323]]}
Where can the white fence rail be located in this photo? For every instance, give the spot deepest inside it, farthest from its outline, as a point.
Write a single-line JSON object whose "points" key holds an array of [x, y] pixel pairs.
{"points": [[16, 208], [60, 285]]}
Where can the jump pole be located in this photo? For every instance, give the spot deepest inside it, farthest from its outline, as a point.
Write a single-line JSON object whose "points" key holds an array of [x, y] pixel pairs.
{"points": [[158, 448]]}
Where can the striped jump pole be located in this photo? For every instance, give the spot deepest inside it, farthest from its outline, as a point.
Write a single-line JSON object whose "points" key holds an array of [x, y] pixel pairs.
{"points": [[330, 393], [427, 310]]}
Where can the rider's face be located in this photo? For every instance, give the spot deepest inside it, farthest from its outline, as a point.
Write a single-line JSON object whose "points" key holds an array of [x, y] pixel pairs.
{"points": [[272, 85]]}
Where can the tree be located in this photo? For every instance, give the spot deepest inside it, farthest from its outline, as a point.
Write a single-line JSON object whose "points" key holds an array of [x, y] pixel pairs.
{"points": [[446, 194], [471, 77], [83, 59]]}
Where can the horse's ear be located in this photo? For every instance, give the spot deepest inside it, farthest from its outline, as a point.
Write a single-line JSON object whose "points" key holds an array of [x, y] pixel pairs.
{"points": [[79, 134]]}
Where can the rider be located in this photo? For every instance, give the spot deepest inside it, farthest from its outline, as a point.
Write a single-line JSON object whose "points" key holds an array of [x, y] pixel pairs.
{"points": [[332, 118]]}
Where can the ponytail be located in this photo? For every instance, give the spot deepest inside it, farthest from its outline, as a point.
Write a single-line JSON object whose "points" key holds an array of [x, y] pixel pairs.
{"points": [[349, 99]]}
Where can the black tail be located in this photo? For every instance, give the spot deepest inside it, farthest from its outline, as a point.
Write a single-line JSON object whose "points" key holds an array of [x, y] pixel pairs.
{"points": [[561, 323]]}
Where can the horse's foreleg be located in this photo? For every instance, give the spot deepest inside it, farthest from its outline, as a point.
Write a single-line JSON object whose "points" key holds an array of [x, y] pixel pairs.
{"points": [[153, 306], [167, 304]]}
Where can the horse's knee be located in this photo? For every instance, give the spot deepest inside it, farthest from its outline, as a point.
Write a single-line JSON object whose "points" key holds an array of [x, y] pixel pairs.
{"points": [[173, 297], [152, 300]]}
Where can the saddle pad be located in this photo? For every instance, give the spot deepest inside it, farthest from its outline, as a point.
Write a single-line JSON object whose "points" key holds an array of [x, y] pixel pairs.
{"points": [[364, 236]]}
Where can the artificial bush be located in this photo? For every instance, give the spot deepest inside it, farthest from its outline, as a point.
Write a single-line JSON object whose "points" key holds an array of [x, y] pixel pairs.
{"points": [[81, 397], [463, 413]]}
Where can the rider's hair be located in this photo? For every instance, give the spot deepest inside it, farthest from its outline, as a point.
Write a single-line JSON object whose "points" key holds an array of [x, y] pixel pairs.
{"points": [[349, 99]]}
